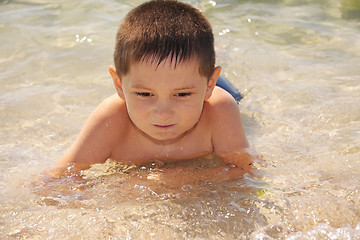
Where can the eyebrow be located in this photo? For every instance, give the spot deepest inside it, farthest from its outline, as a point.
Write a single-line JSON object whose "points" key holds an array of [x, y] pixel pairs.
{"points": [[176, 89], [141, 87], [185, 88]]}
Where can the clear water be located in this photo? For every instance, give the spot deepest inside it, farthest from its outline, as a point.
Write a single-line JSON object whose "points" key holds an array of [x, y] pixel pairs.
{"points": [[297, 63]]}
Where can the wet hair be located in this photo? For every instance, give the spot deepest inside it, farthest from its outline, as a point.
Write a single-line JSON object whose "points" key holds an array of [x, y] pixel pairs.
{"points": [[164, 29]]}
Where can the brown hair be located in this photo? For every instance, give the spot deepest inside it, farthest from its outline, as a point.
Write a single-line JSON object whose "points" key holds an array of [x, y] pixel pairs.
{"points": [[159, 29]]}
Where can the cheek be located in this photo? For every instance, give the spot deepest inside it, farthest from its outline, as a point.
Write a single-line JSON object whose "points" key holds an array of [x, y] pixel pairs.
{"points": [[191, 112], [137, 111]]}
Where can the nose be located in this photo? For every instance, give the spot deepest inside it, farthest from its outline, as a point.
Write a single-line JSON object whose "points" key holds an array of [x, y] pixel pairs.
{"points": [[164, 109]]}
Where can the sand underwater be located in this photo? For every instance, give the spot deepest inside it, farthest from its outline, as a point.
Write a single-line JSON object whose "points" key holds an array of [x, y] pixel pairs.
{"points": [[297, 64]]}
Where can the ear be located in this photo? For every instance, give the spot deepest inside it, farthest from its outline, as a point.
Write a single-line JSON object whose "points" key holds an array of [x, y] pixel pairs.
{"points": [[212, 82], [117, 82]]}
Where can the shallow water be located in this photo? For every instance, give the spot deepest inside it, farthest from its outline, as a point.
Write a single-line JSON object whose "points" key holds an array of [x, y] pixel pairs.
{"points": [[297, 63]]}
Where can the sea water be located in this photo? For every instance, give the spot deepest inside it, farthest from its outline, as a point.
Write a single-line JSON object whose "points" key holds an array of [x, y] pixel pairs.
{"points": [[297, 62]]}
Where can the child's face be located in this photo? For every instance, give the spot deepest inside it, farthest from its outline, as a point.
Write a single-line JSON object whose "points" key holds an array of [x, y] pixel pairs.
{"points": [[162, 101]]}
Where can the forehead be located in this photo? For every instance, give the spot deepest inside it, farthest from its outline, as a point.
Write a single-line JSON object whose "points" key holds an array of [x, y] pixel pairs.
{"points": [[191, 63], [149, 69]]}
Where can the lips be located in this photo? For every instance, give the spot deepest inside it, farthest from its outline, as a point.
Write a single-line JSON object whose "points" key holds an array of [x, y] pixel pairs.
{"points": [[164, 126]]}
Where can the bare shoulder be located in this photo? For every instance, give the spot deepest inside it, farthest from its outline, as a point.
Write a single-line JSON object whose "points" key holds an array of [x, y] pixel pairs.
{"points": [[222, 103], [99, 134], [108, 121], [110, 112], [226, 124]]}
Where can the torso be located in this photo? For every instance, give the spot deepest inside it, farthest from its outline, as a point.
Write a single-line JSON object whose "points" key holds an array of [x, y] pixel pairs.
{"points": [[136, 148]]}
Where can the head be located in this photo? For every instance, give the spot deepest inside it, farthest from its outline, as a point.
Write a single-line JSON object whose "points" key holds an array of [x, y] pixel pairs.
{"points": [[164, 67], [164, 29]]}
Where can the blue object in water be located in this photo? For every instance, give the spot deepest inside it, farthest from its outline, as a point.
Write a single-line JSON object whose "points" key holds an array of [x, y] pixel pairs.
{"points": [[226, 85]]}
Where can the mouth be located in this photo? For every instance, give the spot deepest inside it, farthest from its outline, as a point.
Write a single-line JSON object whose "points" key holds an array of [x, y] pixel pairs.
{"points": [[164, 126]]}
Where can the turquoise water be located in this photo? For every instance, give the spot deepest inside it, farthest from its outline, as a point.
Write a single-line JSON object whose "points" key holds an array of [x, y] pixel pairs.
{"points": [[297, 63]]}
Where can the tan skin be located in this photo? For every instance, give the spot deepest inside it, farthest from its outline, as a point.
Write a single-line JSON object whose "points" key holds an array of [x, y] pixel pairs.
{"points": [[163, 113]]}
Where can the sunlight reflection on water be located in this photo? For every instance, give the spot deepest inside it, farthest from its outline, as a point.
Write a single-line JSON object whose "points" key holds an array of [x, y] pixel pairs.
{"points": [[296, 62]]}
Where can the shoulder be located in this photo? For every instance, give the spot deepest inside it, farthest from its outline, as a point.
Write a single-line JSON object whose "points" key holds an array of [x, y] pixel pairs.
{"points": [[226, 124], [99, 134], [221, 103], [111, 105], [110, 112], [109, 121]]}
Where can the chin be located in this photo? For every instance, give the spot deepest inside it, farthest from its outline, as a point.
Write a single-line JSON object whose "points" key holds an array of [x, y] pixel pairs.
{"points": [[166, 138]]}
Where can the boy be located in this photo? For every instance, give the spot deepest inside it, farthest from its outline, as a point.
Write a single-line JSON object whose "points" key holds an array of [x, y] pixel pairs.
{"points": [[167, 106]]}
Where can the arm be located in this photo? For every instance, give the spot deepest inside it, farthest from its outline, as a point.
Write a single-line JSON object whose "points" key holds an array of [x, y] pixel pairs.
{"points": [[228, 136], [96, 140]]}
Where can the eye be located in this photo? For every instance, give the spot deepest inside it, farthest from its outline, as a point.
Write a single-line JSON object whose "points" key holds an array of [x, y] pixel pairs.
{"points": [[183, 94], [144, 94]]}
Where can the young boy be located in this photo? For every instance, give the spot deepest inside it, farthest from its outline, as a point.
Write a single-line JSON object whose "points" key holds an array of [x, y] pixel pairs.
{"points": [[167, 106]]}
